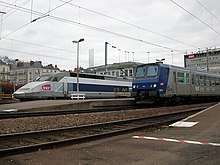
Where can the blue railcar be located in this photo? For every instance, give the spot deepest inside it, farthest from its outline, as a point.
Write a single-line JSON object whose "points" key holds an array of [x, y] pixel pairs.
{"points": [[161, 82]]}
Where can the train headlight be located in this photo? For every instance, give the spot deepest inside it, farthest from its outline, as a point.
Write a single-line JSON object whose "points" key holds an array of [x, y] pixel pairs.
{"points": [[46, 87], [135, 86], [155, 85]]}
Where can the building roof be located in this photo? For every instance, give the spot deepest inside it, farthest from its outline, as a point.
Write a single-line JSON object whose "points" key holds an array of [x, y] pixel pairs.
{"points": [[31, 64], [2, 63], [116, 66]]}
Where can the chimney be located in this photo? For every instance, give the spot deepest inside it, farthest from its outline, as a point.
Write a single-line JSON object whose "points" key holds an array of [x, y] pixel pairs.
{"points": [[31, 62]]}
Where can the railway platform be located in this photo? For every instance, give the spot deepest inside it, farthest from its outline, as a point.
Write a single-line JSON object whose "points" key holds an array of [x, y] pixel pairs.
{"points": [[46, 105], [194, 140]]}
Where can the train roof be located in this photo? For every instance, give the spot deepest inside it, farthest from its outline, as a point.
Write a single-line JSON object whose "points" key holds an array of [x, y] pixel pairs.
{"points": [[182, 68], [90, 76]]}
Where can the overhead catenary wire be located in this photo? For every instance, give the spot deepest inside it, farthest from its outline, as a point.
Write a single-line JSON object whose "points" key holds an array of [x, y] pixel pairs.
{"points": [[89, 27], [130, 24], [68, 21], [36, 54], [195, 17], [207, 10], [45, 46], [42, 16], [11, 11]]}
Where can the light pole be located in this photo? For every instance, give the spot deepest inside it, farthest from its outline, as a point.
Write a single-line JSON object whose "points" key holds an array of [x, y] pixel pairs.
{"points": [[148, 53], [77, 79], [1, 12], [172, 56]]}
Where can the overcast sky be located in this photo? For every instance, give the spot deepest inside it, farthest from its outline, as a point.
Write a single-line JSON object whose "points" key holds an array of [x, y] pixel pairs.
{"points": [[156, 28]]}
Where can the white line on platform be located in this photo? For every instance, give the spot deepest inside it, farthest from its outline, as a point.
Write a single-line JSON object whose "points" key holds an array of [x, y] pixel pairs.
{"points": [[200, 112], [177, 141]]}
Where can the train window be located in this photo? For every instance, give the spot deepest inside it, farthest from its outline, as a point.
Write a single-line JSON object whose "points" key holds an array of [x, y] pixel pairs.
{"points": [[166, 72], [174, 77], [207, 81], [43, 78], [152, 70], [140, 71], [193, 79], [197, 79], [201, 80], [180, 77], [212, 81], [186, 78], [146, 71], [55, 79]]}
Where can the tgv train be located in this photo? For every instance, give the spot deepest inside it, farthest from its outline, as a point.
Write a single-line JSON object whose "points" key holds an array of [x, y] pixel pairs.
{"points": [[62, 85], [160, 82]]}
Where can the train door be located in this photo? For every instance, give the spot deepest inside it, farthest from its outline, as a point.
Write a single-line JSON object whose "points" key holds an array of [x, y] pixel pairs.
{"points": [[174, 83], [193, 82]]}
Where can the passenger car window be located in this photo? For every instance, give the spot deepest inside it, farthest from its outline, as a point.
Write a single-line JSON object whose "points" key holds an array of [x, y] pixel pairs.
{"points": [[180, 77]]}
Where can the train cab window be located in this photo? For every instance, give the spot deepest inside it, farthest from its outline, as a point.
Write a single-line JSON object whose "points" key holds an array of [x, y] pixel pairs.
{"points": [[140, 71], [55, 79], [43, 78], [152, 70]]}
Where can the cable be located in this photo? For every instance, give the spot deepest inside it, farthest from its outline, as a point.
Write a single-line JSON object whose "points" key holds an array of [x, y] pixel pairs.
{"points": [[16, 30], [208, 10], [39, 45], [8, 12], [94, 28], [195, 17], [36, 54], [127, 23], [44, 15]]}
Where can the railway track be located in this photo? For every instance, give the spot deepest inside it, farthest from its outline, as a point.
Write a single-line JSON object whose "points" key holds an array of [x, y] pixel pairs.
{"points": [[8, 115], [33, 141]]}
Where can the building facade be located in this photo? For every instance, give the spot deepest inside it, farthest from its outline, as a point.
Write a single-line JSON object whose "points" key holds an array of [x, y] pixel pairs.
{"points": [[124, 69], [208, 60], [4, 72], [25, 72]]}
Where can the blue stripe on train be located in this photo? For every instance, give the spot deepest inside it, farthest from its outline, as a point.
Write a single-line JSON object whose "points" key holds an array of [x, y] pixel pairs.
{"points": [[96, 88]]}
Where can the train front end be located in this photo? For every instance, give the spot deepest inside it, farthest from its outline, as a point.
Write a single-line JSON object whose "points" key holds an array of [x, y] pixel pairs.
{"points": [[150, 82]]}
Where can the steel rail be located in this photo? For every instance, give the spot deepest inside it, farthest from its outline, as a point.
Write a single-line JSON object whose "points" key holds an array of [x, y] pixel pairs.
{"points": [[92, 131], [7, 115]]}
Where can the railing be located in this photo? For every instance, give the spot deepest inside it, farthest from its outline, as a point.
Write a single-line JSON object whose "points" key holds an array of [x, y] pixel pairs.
{"points": [[78, 96]]}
